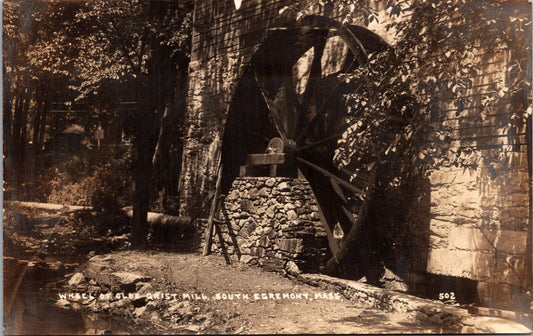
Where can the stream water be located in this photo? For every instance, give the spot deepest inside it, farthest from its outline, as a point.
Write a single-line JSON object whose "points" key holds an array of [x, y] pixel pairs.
{"points": [[32, 310]]}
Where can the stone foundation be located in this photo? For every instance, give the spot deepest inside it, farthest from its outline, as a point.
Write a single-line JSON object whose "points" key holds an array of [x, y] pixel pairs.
{"points": [[273, 222]]}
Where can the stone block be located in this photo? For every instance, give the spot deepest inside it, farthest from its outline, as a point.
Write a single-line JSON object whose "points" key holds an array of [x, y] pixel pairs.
{"points": [[272, 264], [453, 175], [496, 295], [475, 239], [292, 268], [264, 192], [476, 265], [264, 241], [291, 245], [76, 279], [257, 251]]}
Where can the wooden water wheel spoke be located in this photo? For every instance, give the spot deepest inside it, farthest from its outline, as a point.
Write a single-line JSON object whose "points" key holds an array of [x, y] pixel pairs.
{"points": [[314, 121], [326, 173], [315, 78], [320, 142], [338, 190], [293, 107], [355, 45], [274, 113], [321, 111]]}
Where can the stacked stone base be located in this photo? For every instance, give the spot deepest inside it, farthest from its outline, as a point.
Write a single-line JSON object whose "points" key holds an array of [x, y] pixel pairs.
{"points": [[272, 222]]}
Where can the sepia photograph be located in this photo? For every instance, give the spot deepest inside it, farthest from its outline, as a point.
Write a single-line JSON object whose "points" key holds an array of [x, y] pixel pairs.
{"points": [[267, 167]]}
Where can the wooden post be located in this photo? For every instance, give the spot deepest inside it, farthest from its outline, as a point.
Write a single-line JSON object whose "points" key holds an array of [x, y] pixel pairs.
{"points": [[212, 211]]}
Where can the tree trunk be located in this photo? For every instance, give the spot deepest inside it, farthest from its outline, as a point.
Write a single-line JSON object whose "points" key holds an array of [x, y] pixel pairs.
{"points": [[43, 123], [141, 200], [143, 177]]}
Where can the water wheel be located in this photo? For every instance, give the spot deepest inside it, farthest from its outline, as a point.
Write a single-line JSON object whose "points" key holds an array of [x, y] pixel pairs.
{"points": [[288, 112]]}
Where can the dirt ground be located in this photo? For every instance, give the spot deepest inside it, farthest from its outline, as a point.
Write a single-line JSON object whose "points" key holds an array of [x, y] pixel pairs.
{"points": [[264, 311], [59, 244]]}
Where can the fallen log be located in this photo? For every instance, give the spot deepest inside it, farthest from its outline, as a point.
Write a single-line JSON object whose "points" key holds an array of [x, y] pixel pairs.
{"points": [[46, 206], [152, 217]]}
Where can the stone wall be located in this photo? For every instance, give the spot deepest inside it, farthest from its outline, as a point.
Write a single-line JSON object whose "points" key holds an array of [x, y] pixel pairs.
{"points": [[480, 216], [272, 222]]}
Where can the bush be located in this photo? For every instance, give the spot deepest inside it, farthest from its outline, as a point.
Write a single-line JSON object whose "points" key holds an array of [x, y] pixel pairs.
{"points": [[101, 180]]}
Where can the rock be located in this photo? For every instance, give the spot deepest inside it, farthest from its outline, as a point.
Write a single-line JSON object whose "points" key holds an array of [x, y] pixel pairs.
{"points": [[253, 192], [291, 215], [240, 330], [192, 328], [122, 303], [264, 192], [264, 241], [76, 306], [284, 186], [76, 279], [291, 245], [128, 278], [62, 303], [292, 268], [155, 317], [143, 288], [270, 182], [272, 265], [139, 311], [289, 206], [246, 258], [271, 211]]}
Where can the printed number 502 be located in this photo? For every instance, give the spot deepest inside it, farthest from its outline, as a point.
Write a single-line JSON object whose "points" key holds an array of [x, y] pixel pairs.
{"points": [[446, 296]]}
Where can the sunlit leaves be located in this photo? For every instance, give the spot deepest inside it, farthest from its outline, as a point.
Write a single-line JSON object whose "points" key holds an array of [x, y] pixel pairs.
{"points": [[433, 60], [117, 39]]}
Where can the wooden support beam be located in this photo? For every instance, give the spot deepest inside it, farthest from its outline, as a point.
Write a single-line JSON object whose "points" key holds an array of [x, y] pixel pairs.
{"points": [[266, 159], [273, 170]]}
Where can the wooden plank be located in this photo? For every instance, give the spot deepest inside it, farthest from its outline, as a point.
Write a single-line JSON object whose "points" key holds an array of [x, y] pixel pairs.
{"points": [[212, 211], [266, 159]]}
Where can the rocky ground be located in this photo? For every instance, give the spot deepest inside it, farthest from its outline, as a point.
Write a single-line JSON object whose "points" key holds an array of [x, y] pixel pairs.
{"points": [[172, 293], [84, 256], [71, 272]]}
